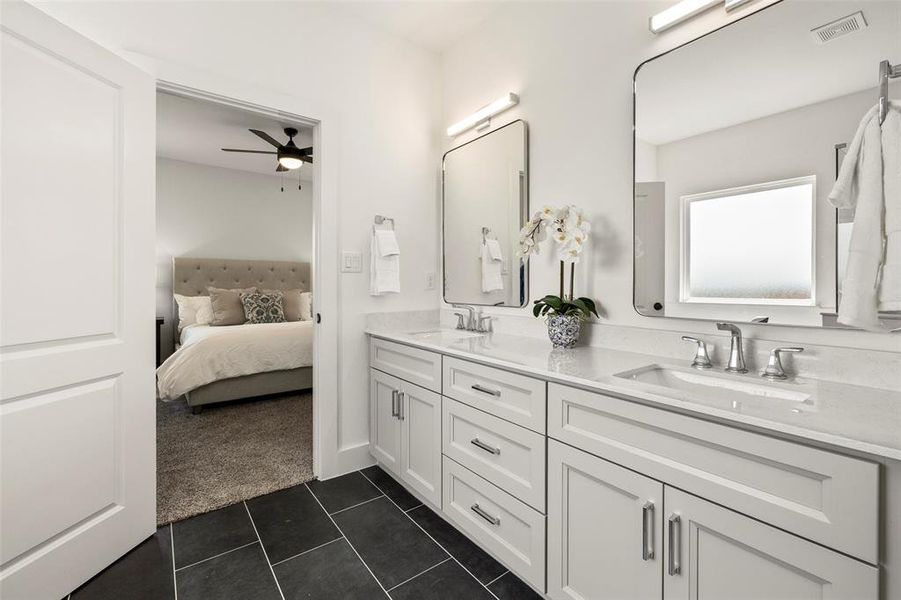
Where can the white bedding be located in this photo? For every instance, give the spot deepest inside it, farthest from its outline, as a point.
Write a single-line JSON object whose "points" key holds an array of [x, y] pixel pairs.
{"points": [[209, 354]]}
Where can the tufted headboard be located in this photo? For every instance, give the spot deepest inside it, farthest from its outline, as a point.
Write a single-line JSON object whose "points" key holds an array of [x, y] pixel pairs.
{"points": [[192, 276]]}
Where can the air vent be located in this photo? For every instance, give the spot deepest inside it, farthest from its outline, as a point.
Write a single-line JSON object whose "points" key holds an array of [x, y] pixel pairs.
{"points": [[836, 29]]}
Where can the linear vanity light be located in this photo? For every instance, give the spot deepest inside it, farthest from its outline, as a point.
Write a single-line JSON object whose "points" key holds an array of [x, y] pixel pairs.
{"points": [[483, 114], [687, 9]]}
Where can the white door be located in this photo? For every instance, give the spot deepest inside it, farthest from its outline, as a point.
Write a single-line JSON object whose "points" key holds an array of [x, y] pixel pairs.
{"points": [[604, 534], [420, 418], [76, 306], [384, 421], [717, 554]]}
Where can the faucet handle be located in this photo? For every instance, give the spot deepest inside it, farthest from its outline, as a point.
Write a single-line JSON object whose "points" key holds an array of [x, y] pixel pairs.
{"points": [[701, 359], [460, 317], [482, 328], [774, 370]]}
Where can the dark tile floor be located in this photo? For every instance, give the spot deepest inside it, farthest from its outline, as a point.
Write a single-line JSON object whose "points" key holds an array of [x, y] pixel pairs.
{"points": [[359, 536]]}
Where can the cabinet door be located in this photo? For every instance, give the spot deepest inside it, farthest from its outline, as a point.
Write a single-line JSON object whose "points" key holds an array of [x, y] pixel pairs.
{"points": [[384, 424], [717, 554], [605, 531], [420, 418]]}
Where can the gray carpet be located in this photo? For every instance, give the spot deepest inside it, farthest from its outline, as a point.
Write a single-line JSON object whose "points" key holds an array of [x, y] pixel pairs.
{"points": [[230, 452]]}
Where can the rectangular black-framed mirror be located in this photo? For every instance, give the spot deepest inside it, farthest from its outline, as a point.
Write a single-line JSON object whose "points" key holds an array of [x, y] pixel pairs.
{"points": [[485, 202], [735, 137]]}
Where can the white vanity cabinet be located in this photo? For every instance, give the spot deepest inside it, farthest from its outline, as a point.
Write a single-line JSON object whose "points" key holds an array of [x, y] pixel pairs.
{"points": [[605, 532], [405, 432], [588, 496], [713, 552]]}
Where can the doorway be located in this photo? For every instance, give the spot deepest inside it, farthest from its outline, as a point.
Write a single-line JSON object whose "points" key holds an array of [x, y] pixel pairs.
{"points": [[235, 296]]}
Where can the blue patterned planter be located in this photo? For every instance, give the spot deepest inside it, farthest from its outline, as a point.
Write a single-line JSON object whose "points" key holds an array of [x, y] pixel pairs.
{"points": [[564, 330]]}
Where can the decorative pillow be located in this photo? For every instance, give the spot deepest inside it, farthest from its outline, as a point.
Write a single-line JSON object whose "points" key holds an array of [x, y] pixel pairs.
{"points": [[227, 306], [291, 302], [193, 310], [263, 307], [306, 306]]}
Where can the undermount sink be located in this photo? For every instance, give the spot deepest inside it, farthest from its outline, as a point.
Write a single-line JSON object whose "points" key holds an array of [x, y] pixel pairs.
{"points": [[450, 335], [715, 389]]}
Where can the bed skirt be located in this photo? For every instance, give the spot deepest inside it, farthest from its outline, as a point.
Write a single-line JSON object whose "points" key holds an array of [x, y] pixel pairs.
{"points": [[248, 386]]}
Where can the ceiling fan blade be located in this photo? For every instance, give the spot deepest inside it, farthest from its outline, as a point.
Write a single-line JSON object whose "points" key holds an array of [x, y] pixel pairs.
{"points": [[308, 159], [248, 151], [307, 150], [280, 168], [265, 136]]}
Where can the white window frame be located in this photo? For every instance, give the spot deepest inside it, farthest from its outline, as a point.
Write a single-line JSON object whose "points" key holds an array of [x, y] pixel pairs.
{"points": [[685, 243]]}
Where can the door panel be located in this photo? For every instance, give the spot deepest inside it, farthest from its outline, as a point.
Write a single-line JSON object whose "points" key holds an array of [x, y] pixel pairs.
{"points": [[722, 555], [604, 529], [76, 306], [384, 425], [421, 441]]}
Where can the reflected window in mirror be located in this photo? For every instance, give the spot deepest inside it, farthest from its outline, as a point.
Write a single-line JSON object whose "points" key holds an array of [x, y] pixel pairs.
{"points": [[750, 245], [725, 112]]}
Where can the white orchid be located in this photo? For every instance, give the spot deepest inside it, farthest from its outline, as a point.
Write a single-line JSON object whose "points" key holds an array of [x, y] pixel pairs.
{"points": [[570, 231]]}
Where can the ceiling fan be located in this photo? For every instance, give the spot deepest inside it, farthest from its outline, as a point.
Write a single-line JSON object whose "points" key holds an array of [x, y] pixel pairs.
{"points": [[289, 156]]}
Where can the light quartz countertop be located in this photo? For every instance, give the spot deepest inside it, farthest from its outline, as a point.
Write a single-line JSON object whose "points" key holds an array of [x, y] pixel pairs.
{"points": [[851, 417]]}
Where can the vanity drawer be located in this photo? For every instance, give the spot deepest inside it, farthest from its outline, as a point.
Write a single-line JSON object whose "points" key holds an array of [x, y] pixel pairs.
{"points": [[497, 521], [516, 398], [822, 496], [510, 456], [410, 364]]}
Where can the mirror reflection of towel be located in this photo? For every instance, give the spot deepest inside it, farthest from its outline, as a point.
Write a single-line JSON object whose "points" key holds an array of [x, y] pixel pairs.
{"points": [[384, 264], [492, 264], [869, 181]]}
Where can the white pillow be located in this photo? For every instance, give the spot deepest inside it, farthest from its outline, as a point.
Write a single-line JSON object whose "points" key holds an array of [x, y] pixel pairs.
{"points": [[193, 310], [306, 306]]}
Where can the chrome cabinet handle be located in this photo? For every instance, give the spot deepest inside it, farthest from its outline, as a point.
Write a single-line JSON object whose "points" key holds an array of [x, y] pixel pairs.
{"points": [[480, 444], [481, 512], [394, 394], [647, 531], [400, 405], [484, 390], [674, 533]]}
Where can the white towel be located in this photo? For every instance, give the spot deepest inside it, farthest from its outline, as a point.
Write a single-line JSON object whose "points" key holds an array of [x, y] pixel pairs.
{"points": [[869, 181], [387, 242], [384, 263], [494, 249], [492, 279]]}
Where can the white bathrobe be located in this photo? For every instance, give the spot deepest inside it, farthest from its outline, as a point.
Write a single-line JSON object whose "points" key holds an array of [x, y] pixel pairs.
{"points": [[870, 183]]}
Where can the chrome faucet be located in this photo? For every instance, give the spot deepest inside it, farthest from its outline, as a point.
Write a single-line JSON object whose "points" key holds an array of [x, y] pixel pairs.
{"points": [[702, 358], [774, 370], [470, 324], [736, 354], [474, 321]]}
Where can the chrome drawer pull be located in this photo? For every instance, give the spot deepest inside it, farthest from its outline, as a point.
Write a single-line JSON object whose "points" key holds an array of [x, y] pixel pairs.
{"points": [[485, 390], [479, 443], [675, 563], [647, 531], [478, 510], [394, 403], [400, 405]]}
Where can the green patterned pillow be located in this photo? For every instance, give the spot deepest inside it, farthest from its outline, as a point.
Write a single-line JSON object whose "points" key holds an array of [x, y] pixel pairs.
{"points": [[263, 307]]}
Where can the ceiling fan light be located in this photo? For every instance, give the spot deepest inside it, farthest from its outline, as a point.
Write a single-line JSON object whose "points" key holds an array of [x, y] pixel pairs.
{"points": [[290, 162]]}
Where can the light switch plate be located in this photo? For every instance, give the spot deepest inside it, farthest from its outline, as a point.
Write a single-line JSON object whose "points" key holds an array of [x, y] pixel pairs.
{"points": [[351, 262], [430, 280]]}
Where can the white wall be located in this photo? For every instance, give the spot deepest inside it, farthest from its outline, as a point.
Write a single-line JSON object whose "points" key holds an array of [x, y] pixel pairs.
{"points": [[383, 96], [210, 212], [572, 64]]}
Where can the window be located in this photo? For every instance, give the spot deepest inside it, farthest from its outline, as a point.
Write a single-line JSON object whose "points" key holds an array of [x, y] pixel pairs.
{"points": [[750, 245]]}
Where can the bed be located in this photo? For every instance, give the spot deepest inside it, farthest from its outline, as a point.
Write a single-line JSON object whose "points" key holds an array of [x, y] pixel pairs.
{"points": [[218, 364]]}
